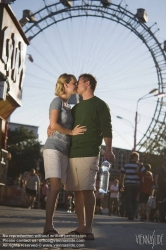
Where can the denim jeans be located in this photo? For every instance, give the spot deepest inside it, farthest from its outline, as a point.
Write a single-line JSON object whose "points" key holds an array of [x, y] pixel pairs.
{"points": [[131, 192]]}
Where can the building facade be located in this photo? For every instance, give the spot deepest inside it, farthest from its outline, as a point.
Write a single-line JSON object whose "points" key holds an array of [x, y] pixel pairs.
{"points": [[13, 46]]}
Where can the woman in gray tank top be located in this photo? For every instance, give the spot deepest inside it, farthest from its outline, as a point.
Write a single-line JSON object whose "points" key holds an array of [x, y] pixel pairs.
{"points": [[57, 146]]}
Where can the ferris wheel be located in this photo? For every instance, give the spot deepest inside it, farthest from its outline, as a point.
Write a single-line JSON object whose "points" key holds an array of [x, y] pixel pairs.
{"points": [[109, 41]]}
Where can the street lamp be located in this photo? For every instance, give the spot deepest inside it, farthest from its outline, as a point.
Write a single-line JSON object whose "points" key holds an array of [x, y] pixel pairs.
{"points": [[119, 117], [159, 95], [30, 57]]}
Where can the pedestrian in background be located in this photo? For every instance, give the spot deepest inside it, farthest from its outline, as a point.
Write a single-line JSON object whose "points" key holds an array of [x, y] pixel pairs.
{"points": [[146, 183], [130, 181], [160, 180], [114, 198], [32, 186]]}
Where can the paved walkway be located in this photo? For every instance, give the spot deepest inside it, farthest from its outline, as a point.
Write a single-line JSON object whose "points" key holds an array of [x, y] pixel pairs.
{"points": [[113, 233]]}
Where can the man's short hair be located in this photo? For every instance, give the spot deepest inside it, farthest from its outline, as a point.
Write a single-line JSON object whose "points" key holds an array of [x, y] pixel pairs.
{"points": [[148, 167], [133, 155], [91, 79]]}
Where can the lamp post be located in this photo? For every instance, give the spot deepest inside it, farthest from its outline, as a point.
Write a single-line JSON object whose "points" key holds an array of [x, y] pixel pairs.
{"points": [[159, 95], [30, 57], [119, 117]]}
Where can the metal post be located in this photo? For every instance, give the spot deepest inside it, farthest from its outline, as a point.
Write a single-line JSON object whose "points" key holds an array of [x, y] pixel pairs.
{"points": [[135, 131]]}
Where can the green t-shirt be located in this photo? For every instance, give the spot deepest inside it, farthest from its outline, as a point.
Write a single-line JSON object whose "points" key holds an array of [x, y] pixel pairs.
{"points": [[95, 115]]}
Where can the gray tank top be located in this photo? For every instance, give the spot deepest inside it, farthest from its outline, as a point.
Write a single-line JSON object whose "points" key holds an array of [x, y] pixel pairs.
{"points": [[57, 140]]}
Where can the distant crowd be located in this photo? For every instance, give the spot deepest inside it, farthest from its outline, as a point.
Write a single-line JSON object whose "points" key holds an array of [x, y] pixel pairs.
{"points": [[139, 193]]}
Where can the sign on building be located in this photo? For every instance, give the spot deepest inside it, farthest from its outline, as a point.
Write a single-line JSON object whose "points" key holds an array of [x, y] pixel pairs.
{"points": [[13, 45]]}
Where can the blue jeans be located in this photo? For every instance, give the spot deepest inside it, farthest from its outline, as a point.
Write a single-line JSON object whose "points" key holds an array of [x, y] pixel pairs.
{"points": [[131, 192]]}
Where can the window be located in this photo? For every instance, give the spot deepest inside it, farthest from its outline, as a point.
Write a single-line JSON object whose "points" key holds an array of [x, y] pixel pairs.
{"points": [[122, 157]]}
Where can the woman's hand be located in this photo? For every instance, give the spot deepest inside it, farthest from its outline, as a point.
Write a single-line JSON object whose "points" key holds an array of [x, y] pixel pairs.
{"points": [[50, 131], [78, 130]]}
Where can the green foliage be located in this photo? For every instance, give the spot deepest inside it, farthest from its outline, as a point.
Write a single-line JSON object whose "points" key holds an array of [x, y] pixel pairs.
{"points": [[152, 159], [25, 151], [156, 142], [155, 146]]}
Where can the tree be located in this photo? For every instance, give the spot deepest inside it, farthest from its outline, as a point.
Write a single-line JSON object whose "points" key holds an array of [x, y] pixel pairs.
{"points": [[156, 142], [155, 146], [25, 151]]}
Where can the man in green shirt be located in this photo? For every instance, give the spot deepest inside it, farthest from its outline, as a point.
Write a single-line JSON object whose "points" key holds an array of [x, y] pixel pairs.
{"points": [[93, 113]]}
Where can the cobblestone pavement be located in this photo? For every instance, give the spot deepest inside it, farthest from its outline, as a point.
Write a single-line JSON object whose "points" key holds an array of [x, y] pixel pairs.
{"points": [[113, 233]]}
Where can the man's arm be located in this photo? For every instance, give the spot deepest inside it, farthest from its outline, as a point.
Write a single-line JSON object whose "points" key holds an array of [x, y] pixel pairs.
{"points": [[122, 177], [106, 128], [137, 169], [25, 180], [56, 126], [108, 152], [38, 183]]}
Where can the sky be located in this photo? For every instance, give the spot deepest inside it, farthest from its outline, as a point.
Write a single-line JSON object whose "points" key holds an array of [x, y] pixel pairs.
{"points": [[119, 60]]}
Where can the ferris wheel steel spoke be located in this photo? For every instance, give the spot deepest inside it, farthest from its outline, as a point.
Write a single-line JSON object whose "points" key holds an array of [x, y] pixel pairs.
{"points": [[113, 53], [94, 44], [127, 88], [132, 63], [129, 64], [60, 47], [137, 73], [132, 76], [121, 136], [72, 57], [49, 47], [46, 71], [83, 50], [104, 36], [39, 78], [110, 58], [34, 87], [125, 52], [42, 55], [120, 49]]}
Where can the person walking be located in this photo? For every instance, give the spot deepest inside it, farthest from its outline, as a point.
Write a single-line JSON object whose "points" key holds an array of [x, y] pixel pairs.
{"points": [[93, 113], [146, 183], [160, 183], [56, 148], [114, 197], [32, 186], [160, 180], [130, 181]]}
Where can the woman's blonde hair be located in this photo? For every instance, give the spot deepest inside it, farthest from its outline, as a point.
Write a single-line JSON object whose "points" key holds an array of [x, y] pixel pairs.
{"points": [[64, 78]]}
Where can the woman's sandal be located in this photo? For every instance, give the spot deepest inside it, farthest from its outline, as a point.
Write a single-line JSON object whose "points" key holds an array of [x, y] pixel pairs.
{"points": [[86, 236], [51, 232], [74, 232]]}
